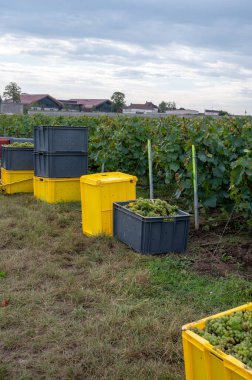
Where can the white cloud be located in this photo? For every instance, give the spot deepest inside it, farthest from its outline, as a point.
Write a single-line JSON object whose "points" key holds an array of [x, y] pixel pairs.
{"points": [[96, 67]]}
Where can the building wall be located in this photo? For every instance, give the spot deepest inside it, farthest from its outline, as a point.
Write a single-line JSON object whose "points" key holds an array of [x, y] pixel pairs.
{"points": [[140, 111], [182, 112], [11, 108], [212, 113], [110, 114]]}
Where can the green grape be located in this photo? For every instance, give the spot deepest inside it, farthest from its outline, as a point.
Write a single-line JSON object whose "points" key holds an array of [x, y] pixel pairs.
{"points": [[152, 207], [232, 334]]}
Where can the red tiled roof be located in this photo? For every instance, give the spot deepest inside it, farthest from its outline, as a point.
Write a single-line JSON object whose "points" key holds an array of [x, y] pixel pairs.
{"points": [[27, 99]]}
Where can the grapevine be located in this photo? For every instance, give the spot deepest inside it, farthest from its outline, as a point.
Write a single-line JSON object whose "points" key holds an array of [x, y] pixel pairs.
{"points": [[223, 147], [152, 207], [232, 334]]}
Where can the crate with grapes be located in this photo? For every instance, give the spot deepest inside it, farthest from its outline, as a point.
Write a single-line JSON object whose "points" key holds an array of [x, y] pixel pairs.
{"points": [[17, 156], [220, 346], [151, 226]]}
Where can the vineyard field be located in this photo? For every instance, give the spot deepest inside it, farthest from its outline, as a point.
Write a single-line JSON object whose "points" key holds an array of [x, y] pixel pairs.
{"points": [[223, 146]]}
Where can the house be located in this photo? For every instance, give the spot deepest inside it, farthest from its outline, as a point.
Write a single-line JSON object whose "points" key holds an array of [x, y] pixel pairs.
{"points": [[71, 105], [40, 102], [211, 113], [88, 105], [182, 112], [146, 108]]}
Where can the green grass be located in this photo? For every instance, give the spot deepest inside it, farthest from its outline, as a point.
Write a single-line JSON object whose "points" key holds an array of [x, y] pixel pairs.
{"points": [[171, 277], [90, 308]]}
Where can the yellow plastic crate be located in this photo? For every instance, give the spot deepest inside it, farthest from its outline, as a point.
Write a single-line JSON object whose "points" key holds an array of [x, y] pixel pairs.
{"points": [[204, 362], [98, 193], [16, 181], [55, 190]]}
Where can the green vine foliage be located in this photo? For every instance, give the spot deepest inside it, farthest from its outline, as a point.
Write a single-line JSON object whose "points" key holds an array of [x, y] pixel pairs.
{"points": [[223, 148], [241, 174]]}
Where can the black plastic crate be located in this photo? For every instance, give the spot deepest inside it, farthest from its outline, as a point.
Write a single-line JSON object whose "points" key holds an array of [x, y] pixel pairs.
{"points": [[60, 165], [17, 158], [3, 141], [57, 139], [20, 140], [150, 235]]}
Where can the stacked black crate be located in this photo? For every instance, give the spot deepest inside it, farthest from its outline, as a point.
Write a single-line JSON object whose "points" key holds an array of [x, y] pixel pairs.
{"points": [[17, 157], [60, 159], [17, 168]]}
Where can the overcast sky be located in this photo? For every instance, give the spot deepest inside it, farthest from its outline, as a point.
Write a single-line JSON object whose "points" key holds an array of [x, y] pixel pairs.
{"points": [[196, 53]]}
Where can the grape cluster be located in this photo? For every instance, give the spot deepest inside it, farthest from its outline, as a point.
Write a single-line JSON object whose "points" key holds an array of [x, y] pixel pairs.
{"points": [[20, 145], [232, 334], [152, 207]]}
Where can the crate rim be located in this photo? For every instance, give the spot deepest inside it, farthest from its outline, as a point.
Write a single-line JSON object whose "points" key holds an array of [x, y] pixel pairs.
{"points": [[61, 153], [146, 219], [59, 126], [9, 147], [11, 171], [90, 179], [59, 179], [246, 306]]}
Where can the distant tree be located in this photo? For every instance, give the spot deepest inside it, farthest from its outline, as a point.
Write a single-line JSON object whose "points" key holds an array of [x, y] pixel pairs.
{"points": [[223, 113], [12, 92], [171, 105], [165, 106], [1, 99], [118, 101]]}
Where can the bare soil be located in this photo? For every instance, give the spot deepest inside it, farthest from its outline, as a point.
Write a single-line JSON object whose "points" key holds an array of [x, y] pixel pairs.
{"points": [[218, 254]]}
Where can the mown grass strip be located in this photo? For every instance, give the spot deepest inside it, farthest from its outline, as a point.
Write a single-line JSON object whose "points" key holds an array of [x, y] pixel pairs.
{"points": [[172, 277]]}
